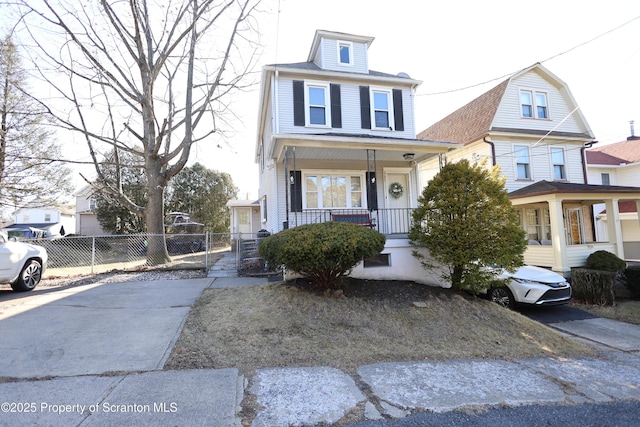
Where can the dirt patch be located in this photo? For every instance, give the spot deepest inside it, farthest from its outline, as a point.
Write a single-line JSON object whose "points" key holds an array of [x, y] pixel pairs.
{"points": [[295, 324]]}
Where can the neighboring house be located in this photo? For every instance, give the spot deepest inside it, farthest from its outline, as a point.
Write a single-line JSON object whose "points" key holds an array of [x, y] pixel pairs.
{"points": [[43, 222], [87, 223], [618, 164], [337, 141], [245, 218], [531, 126]]}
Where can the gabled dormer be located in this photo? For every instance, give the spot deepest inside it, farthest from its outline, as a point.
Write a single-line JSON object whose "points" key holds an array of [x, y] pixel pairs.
{"points": [[340, 52]]}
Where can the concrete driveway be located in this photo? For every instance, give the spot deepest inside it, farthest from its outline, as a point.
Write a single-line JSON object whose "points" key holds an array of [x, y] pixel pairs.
{"points": [[93, 329]]}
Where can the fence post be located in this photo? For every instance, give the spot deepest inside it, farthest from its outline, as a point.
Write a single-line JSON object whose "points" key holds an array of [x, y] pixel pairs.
{"points": [[93, 252], [206, 250]]}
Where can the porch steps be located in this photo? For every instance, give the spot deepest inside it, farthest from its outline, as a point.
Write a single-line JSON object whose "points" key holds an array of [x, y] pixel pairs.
{"points": [[251, 263]]}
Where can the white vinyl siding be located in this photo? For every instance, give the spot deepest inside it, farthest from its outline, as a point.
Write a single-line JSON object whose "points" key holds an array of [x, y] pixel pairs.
{"points": [[328, 58], [350, 103], [559, 106], [540, 163]]}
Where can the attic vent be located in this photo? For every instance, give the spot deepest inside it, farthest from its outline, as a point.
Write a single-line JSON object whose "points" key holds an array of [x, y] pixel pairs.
{"points": [[404, 75]]}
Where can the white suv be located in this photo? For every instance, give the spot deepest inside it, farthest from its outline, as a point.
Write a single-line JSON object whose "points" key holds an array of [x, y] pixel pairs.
{"points": [[21, 264]]}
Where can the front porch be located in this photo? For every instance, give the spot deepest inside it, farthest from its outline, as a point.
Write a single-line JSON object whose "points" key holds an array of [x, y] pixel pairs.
{"points": [[390, 222], [558, 220]]}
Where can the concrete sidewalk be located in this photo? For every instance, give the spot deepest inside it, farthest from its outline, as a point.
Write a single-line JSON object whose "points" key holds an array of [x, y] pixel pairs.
{"points": [[93, 356]]}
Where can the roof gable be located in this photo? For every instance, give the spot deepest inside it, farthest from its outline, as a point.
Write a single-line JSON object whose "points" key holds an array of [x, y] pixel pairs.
{"points": [[476, 119]]}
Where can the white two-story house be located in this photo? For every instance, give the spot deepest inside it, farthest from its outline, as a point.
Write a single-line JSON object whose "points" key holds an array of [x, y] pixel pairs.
{"points": [[618, 164], [337, 141], [532, 127]]}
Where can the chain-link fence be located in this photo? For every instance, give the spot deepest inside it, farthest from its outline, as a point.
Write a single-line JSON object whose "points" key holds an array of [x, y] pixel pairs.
{"points": [[76, 255]]}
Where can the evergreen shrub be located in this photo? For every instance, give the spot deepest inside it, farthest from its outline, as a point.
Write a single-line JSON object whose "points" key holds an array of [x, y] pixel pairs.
{"points": [[324, 252]]}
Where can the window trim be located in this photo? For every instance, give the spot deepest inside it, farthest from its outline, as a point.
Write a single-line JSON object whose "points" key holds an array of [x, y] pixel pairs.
{"points": [[534, 105], [341, 43], [516, 163], [325, 172], [554, 164], [608, 175], [307, 103], [372, 110]]}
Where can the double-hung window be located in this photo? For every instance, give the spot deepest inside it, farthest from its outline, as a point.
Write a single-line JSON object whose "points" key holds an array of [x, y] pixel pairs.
{"points": [[382, 111], [523, 162], [345, 53], [324, 191], [533, 104], [317, 104], [559, 168]]}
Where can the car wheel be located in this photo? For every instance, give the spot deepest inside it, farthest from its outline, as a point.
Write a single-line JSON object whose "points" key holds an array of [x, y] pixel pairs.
{"points": [[502, 296], [29, 276]]}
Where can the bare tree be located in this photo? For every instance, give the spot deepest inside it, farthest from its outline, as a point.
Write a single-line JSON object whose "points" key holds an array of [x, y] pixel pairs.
{"points": [[28, 176], [156, 74]]}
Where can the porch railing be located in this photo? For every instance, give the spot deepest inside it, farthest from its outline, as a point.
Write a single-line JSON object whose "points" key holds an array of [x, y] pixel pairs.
{"points": [[386, 221]]}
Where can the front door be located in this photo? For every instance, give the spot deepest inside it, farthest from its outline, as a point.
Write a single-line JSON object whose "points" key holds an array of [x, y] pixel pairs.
{"points": [[574, 226], [244, 220], [397, 202]]}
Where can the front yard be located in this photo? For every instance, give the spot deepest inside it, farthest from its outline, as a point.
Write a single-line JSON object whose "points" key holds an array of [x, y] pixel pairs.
{"points": [[292, 324]]}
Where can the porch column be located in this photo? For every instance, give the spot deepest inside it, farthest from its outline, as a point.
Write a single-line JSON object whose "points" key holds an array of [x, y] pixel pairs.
{"points": [[613, 225], [558, 237]]}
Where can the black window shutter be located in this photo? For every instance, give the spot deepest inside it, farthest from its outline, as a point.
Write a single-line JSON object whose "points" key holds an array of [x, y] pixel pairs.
{"points": [[398, 116], [365, 108], [298, 103], [295, 187], [372, 191], [336, 106]]}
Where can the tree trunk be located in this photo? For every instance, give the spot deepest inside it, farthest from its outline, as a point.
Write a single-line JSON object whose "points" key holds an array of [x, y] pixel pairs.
{"points": [[154, 216]]}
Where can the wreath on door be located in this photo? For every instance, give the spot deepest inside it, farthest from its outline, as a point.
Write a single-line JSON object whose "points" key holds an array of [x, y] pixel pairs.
{"points": [[396, 190]]}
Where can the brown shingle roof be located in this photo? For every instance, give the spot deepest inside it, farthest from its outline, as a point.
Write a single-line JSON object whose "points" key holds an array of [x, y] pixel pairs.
{"points": [[470, 122], [600, 158], [550, 187], [628, 151]]}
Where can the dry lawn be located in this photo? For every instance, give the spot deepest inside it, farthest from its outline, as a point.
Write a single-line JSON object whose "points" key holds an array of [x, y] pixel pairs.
{"points": [[292, 324], [625, 310]]}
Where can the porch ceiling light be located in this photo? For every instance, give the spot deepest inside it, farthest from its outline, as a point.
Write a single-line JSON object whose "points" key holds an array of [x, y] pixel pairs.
{"points": [[408, 156]]}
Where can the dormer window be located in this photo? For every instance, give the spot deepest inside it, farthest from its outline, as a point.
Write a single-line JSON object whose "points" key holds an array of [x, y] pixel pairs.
{"points": [[533, 104], [345, 53]]}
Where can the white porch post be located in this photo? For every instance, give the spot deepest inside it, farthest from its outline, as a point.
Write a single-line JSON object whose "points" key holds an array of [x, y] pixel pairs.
{"points": [[613, 226], [558, 236]]}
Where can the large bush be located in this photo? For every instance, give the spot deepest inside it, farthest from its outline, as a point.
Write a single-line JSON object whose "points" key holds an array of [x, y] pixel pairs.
{"points": [[323, 253], [593, 286], [467, 222], [605, 261]]}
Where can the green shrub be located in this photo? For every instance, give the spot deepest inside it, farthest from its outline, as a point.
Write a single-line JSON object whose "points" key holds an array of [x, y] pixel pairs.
{"points": [[593, 286], [632, 280], [323, 253], [605, 261]]}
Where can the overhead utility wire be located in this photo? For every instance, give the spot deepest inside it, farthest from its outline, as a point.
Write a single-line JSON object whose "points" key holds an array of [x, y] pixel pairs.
{"points": [[543, 61]]}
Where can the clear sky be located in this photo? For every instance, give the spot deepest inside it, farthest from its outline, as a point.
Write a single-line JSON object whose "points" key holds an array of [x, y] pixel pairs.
{"points": [[455, 44]]}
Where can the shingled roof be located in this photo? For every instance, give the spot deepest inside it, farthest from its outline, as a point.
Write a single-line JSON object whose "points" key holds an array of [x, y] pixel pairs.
{"points": [[625, 152], [468, 123], [551, 187], [600, 158]]}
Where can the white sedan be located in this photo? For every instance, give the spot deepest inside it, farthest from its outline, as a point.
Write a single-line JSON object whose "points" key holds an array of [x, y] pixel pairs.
{"points": [[531, 285], [21, 264]]}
